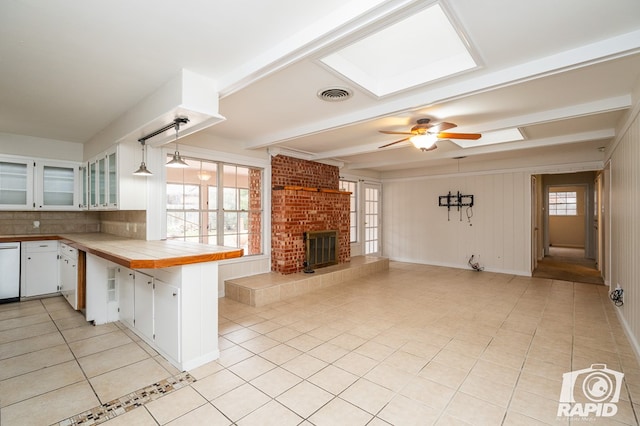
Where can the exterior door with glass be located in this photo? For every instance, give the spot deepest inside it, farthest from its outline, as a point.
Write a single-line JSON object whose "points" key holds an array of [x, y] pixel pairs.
{"points": [[372, 206]]}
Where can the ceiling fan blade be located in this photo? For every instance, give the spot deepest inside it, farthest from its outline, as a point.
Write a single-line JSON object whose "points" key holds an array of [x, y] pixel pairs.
{"points": [[388, 132], [393, 143], [472, 136], [439, 127]]}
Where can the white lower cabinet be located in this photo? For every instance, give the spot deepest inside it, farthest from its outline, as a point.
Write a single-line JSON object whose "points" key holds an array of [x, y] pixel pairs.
{"points": [[150, 307], [166, 306], [68, 261], [102, 290], [143, 305], [175, 310], [126, 289], [39, 268]]}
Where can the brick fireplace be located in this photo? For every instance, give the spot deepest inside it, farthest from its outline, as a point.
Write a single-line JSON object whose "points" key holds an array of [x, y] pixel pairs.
{"points": [[305, 197]]}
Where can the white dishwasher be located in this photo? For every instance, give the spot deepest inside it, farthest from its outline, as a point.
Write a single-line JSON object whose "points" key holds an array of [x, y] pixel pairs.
{"points": [[9, 272]]}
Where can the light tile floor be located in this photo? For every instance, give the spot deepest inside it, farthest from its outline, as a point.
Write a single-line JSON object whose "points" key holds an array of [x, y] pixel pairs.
{"points": [[414, 345]]}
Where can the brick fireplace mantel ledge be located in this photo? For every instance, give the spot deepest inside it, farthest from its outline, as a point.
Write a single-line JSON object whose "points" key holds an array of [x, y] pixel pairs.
{"points": [[308, 189]]}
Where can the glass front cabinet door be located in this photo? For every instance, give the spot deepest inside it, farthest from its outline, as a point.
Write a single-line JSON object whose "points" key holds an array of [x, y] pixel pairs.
{"points": [[16, 184], [57, 186]]}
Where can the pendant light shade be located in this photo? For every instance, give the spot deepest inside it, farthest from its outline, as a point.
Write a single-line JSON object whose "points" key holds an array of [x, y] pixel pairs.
{"points": [[142, 170], [177, 161]]}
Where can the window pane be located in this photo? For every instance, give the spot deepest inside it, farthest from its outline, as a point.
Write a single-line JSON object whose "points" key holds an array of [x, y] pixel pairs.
{"points": [[230, 199], [230, 222], [175, 224], [244, 199], [213, 197]]}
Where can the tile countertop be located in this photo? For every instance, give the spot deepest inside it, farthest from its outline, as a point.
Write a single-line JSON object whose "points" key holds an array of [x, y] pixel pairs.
{"points": [[138, 254]]}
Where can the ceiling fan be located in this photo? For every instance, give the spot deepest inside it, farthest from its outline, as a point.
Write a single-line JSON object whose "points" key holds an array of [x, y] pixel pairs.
{"points": [[425, 134]]}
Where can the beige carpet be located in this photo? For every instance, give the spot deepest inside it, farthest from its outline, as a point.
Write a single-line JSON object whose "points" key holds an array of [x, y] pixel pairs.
{"points": [[568, 267]]}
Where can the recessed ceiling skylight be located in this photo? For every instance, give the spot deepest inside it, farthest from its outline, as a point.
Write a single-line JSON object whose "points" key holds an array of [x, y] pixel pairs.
{"points": [[421, 48]]}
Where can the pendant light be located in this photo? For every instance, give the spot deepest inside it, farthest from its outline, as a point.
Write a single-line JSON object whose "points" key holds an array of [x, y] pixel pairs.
{"points": [[142, 170], [177, 161]]}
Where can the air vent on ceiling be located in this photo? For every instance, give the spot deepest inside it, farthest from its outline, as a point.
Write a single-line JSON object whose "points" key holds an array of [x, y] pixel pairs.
{"points": [[335, 94]]}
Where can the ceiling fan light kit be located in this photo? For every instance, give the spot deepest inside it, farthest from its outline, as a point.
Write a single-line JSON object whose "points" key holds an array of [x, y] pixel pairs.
{"points": [[426, 142], [424, 134]]}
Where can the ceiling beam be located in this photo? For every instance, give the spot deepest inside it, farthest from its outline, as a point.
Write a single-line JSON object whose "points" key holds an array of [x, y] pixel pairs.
{"points": [[605, 134], [601, 51]]}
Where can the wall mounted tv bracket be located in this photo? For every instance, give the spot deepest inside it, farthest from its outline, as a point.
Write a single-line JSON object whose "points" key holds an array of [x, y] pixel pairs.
{"points": [[458, 200]]}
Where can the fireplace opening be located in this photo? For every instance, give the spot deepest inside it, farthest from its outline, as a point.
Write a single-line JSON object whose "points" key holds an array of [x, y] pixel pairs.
{"points": [[321, 248]]}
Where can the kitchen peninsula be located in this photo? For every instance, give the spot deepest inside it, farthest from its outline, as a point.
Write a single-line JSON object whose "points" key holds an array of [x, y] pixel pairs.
{"points": [[164, 291]]}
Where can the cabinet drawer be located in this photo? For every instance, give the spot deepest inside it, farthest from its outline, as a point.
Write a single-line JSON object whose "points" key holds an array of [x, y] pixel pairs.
{"points": [[68, 251], [40, 246]]}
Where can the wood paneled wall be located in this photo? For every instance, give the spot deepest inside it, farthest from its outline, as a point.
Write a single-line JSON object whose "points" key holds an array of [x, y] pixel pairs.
{"points": [[416, 229], [625, 227]]}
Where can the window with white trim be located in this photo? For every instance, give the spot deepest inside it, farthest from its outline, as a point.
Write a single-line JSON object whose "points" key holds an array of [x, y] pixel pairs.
{"points": [[215, 203], [563, 203]]}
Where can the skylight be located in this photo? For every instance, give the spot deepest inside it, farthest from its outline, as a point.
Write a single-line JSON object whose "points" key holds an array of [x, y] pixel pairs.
{"points": [[421, 48]]}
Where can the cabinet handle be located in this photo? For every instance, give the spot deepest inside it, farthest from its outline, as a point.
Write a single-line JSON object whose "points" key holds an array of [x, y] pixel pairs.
{"points": [[175, 294]]}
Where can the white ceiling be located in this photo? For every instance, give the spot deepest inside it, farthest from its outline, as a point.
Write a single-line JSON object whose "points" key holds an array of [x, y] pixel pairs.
{"points": [[562, 72]]}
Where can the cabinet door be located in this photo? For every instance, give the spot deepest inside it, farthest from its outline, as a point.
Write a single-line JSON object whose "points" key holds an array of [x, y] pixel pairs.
{"points": [[102, 181], [93, 184], [16, 184], [96, 289], [143, 304], [69, 280], [126, 296], [56, 186], [167, 318], [84, 187], [40, 272], [112, 178]]}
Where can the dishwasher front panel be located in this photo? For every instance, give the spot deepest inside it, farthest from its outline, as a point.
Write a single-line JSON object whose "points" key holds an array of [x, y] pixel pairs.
{"points": [[9, 272]]}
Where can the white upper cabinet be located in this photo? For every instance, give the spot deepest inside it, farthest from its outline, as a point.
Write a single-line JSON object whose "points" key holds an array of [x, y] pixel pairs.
{"points": [[57, 186], [110, 181], [16, 184], [28, 184]]}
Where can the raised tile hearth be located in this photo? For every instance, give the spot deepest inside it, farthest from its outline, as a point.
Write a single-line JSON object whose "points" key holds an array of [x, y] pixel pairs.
{"points": [[271, 287]]}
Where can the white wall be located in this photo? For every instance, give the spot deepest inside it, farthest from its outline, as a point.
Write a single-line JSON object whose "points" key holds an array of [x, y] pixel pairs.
{"points": [[625, 226], [29, 146], [416, 229]]}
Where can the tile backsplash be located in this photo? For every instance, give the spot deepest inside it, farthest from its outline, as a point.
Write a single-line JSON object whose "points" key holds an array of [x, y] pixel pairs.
{"points": [[125, 223], [130, 224]]}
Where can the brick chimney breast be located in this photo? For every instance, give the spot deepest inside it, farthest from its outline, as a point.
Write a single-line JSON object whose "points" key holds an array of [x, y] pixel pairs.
{"points": [[305, 197]]}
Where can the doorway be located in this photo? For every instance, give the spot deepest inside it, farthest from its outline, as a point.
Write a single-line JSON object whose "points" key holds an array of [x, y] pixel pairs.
{"points": [[565, 210]]}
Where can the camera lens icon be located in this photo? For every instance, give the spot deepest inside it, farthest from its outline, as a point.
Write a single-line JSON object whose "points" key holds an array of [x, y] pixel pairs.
{"points": [[598, 386]]}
